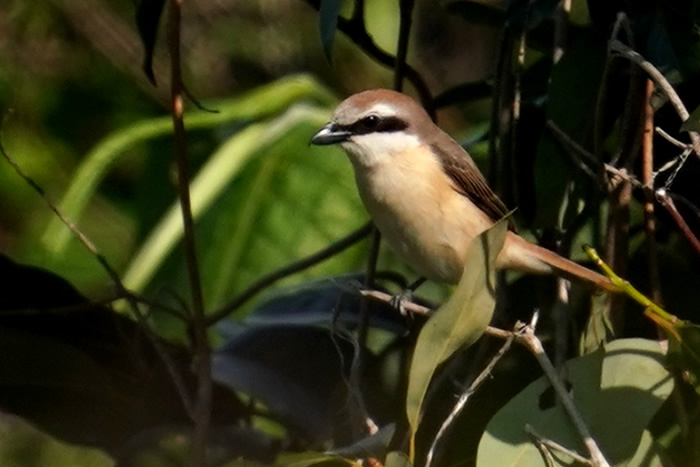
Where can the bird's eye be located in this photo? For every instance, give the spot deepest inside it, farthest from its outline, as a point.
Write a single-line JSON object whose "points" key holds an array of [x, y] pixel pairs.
{"points": [[370, 121]]}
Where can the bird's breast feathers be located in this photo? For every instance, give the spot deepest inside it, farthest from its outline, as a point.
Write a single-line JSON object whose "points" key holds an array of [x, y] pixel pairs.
{"points": [[421, 216]]}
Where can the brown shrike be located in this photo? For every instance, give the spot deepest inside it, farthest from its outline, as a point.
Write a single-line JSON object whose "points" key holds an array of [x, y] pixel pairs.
{"points": [[424, 192]]}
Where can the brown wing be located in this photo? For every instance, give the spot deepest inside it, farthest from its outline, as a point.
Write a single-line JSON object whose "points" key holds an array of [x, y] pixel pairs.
{"points": [[470, 183]]}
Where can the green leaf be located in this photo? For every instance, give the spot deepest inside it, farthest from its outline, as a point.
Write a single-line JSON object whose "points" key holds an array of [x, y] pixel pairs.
{"points": [[148, 16], [328, 24], [25, 445], [617, 391], [397, 459], [308, 459], [459, 322], [598, 329], [263, 200], [374, 445], [262, 102], [209, 183], [684, 354]]}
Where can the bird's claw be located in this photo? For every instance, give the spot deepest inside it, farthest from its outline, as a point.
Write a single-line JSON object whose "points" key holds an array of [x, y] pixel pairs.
{"points": [[398, 300]]}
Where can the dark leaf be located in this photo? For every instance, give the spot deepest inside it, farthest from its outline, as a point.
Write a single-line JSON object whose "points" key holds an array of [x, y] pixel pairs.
{"points": [[478, 13], [148, 15], [328, 24], [693, 122], [82, 372], [325, 302], [297, 372], [373, 446], [684, 354]]}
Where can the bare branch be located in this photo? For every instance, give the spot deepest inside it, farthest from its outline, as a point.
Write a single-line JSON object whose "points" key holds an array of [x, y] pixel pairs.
{"points": [[198, 324], [661, 81], [526, 336], [111, 272], [680, 144], [667, 202], [648, 181], [304, 263], [545, 445], [464, 397]]}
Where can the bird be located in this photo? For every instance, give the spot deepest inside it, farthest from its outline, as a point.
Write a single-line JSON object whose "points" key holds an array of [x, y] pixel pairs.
{"points": [[424, 192]]}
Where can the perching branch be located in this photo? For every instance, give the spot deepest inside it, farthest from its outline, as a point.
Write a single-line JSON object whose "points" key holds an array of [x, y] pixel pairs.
{"points": [[525, 336]]}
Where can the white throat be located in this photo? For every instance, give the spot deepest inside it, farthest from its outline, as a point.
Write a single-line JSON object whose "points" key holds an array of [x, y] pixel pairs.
{"points": [[373, 149]]}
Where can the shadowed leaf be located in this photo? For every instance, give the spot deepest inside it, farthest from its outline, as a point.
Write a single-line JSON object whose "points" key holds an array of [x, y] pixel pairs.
{"points": [[685, 354], [693, 122], [617, 391], [328, 24], [148, 16]]}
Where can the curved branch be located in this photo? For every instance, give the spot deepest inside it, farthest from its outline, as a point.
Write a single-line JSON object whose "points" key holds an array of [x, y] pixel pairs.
{"points": [[288, 270]]}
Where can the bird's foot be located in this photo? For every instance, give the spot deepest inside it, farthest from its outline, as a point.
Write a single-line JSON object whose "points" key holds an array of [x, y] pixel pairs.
{"points": [[397, 301], [405, 296]]}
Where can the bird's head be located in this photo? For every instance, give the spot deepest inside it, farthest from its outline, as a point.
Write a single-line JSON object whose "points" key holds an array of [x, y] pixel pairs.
{"points": [[375, 126]]}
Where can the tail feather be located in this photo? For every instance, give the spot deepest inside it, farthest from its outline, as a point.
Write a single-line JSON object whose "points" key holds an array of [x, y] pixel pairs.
{"points": [[523, 255]]}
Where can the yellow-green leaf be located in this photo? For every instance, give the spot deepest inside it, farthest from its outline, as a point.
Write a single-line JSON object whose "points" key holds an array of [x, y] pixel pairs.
{"points": [[459, 322]]}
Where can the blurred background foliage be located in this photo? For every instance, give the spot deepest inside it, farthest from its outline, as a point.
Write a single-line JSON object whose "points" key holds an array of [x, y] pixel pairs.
{"points": [[81, 118]]}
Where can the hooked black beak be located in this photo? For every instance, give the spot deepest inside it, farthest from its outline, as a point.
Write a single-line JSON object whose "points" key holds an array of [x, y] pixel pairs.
{"points": [[330, 134]]}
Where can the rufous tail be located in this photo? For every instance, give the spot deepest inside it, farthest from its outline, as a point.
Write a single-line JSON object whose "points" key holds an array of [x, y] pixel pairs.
{"points": [[523, 255]]}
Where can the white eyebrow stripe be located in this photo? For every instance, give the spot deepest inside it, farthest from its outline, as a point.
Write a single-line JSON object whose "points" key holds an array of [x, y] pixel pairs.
{"points": [[383, 110]]}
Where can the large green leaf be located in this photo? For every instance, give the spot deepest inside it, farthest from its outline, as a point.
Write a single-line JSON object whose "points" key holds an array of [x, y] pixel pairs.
{"points": [[262, 102], [617, 390], [459, 322], [262, 201]]}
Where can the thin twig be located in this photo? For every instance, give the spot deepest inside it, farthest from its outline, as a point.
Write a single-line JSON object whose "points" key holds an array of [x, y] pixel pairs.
{"points": [[678, 143], [679, 162], [545, 452], [358, 363], [662, 82], [304, 263], [561, 27], [116, 280], [201, 348], [526, 336], [425, 311], [358, 12], [581, 156], [406, 13], [667, 202], [548, 444], [464, 397], [355, 30]]}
